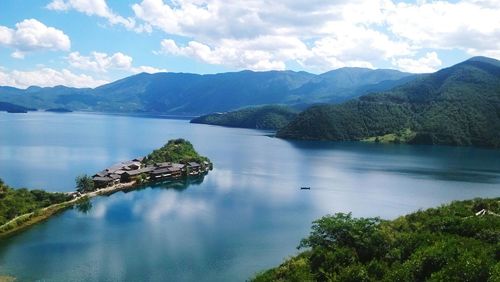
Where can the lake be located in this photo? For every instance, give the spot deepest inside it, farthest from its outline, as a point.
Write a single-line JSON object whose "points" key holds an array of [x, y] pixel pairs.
{"points": [[246, 215]]}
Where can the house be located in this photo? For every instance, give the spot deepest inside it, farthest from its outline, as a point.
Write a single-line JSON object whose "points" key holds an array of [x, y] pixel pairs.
{"points": [[194, 168], [175, 172], [132, 175], [116, 178], [101, 174], [160, 173], [162, 165], [135, 165], [102, 181], [179, 166]]}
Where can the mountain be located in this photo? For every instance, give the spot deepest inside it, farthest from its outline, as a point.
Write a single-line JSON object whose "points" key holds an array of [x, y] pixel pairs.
{"points": [[459, 105], [50, 97], [264, 117], [193, 94], [12, 108], [348, 83]]}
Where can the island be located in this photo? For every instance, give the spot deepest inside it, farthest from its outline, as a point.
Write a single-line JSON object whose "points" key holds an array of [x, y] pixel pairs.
{"points": [[59, 110], [455, 242], [176, 160]]}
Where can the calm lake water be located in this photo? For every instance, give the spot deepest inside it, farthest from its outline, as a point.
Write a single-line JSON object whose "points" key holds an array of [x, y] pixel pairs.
{"points": [[246, 215]]}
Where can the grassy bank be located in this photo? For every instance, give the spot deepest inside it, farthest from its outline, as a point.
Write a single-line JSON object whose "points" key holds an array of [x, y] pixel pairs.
{"points": [[26, 220], [7, 278], [455, 242]]}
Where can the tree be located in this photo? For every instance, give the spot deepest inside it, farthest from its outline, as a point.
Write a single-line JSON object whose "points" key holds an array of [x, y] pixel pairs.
{"points": [[84, 183]]}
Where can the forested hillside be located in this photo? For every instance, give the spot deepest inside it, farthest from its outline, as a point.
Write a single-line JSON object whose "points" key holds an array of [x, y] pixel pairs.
{"points": [[459, 105], [265, 117]]}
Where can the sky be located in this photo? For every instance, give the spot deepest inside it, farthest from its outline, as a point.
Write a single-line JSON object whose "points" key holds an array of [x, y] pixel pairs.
{"points": [[87, 43]]}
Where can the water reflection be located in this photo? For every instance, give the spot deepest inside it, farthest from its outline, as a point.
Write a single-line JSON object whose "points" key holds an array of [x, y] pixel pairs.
{"points": [[84, 206]]}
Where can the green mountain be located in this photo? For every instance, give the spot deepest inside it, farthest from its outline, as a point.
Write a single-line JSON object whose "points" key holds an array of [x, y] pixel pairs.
{"points": [[459, 105], [193, 94], [348, 83], [264, 117], [12, 108], [456, 242]]}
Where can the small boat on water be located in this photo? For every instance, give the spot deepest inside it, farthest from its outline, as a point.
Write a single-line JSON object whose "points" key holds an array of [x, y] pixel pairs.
{"points": [[305, 188]]}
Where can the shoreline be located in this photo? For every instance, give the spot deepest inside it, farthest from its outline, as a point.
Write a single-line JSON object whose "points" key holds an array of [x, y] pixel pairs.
{"points": [[26, 220]]}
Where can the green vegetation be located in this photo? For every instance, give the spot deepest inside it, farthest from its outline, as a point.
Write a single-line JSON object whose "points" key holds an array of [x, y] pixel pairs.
{"points": [[402, 136], [176, 151], [264, 117], [459, 105], [456, 242], [15, 202], [4, 278], [84, 183]]}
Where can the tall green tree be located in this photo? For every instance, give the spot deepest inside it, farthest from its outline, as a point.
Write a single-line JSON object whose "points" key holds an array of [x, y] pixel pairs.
{"points": [[84, 183]]}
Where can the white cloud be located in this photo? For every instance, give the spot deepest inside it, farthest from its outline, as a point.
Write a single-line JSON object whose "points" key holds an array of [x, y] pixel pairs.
{"points": [[31, 35], [264, 34], [317, 34], [426, 64], [102, 62], [337, 33], [99, 62], [263, 53], [93, 8], [354, 47], [465, 25], [349, 46], [147, 69], [47, 77]]}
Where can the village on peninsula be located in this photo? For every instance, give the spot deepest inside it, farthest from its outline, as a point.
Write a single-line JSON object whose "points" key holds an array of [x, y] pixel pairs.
{"points": [[136, 171], [175, 161]]}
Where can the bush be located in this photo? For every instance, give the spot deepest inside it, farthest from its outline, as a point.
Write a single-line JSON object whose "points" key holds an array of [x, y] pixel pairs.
{"points": [[449, 243]]}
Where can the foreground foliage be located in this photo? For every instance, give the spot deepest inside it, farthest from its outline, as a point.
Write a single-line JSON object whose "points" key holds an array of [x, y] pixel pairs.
{"points": [[176, 151], [265, 117], [15, 202], [459, 105], [449, 243]]}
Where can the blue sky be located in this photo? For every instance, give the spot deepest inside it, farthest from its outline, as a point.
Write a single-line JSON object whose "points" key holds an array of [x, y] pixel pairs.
{"points": [[90, 42]]}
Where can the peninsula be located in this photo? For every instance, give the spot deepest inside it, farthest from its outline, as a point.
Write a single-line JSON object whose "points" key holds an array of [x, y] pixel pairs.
{"points": [[176, 160]]}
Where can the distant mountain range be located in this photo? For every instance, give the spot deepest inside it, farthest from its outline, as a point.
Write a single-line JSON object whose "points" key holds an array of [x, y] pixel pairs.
{"points": [[193, 94], [459, 105]]}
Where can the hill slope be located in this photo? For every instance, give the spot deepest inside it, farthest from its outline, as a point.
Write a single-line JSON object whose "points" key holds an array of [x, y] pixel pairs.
{"points": [[457, 242], [265, 117], [12, 108], [193, 94], [459, 105]]}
